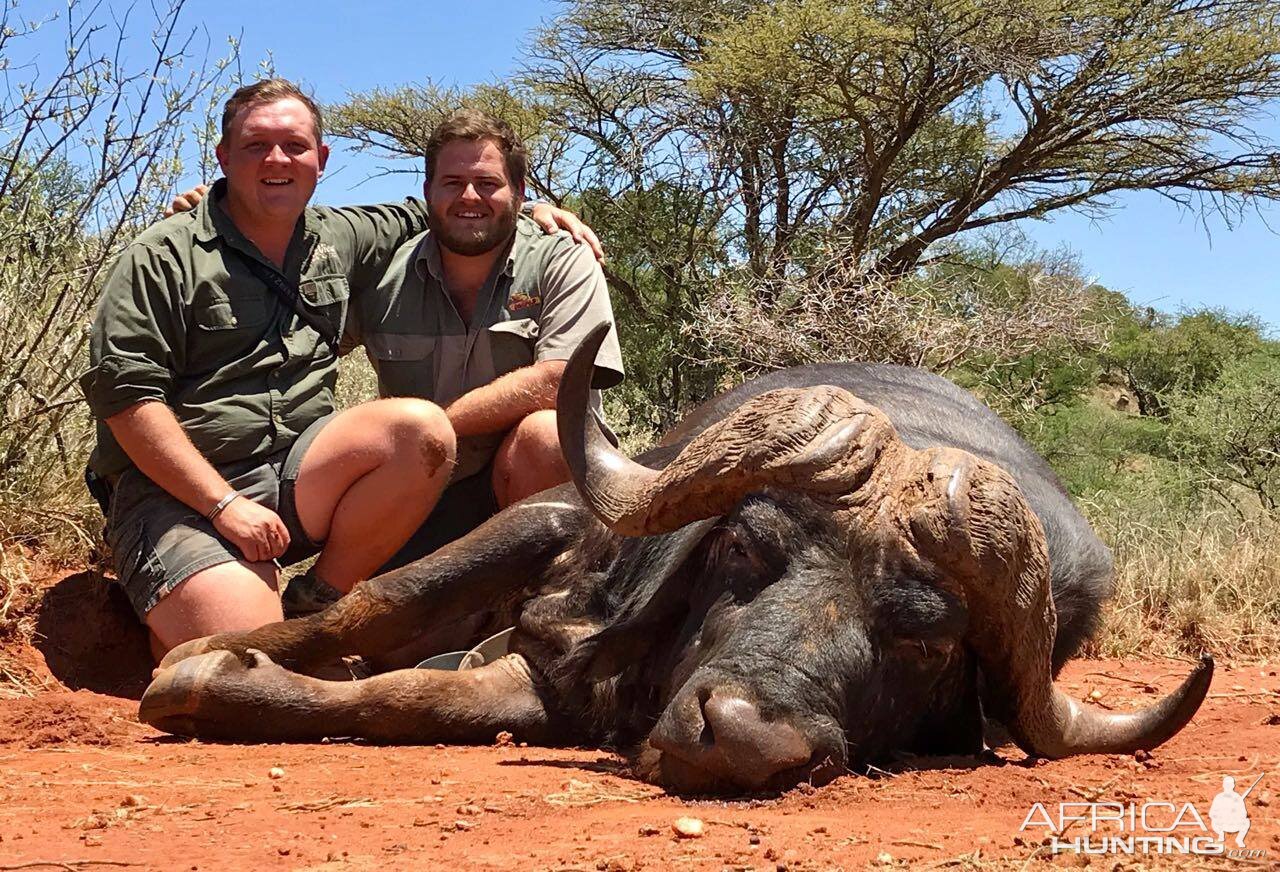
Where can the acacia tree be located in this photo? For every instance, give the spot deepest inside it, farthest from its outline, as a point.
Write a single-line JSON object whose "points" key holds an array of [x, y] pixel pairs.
{"points": [[895, 125], [751, 144], [831, 141], [397, 122]]}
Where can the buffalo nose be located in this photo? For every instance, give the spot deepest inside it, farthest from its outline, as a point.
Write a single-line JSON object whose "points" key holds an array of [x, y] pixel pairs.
{"points": [[750, 747]]}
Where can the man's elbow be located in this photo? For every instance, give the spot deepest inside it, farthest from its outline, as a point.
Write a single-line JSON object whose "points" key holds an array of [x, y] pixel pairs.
{"points": [[549, 374]]}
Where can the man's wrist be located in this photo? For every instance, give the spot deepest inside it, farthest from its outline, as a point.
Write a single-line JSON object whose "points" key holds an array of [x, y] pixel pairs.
{"points": [[221, 504]]}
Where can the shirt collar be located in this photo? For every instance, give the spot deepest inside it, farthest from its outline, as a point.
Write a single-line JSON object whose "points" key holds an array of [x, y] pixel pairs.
{"points": [[212, 221]]}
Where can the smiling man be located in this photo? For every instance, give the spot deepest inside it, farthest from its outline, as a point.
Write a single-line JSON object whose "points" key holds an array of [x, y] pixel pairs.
{"points": [[212, 377], [479, 315]]}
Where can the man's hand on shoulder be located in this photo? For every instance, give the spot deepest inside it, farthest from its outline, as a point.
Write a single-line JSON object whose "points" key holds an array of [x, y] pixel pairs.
{"points": [[187, 200], [551, 219], [256, 530]]}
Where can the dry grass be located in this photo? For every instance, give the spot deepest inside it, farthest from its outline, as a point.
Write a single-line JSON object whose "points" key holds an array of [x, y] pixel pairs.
{"points": [[938, 321], [20, 594], [357, 382], [48, 522], [1201, 582]]}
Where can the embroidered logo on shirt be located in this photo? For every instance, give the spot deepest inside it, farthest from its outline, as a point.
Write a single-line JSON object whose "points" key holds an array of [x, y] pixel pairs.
{"points": [[323, 258], [522, 301]]}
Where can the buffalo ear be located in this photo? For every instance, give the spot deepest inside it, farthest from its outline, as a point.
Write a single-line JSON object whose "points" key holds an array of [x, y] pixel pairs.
{"points": [[658, 569], [608, 652]]}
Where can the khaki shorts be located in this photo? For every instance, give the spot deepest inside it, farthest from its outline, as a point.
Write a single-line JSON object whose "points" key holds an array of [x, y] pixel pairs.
{"points": [[158, 542]]}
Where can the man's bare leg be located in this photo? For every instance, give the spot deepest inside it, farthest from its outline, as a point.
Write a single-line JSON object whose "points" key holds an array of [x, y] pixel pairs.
{"points": [[392, 610], [369, 480], [226, 598], [529, 459], [222, 696]]}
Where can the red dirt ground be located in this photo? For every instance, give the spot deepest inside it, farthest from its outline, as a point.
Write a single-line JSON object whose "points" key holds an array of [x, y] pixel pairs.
{"points": [[84, 786]]}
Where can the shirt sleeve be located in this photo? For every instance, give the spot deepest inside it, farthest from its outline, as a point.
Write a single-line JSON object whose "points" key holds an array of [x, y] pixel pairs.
{"points": [[575, 298], [377, 231], [352, 334], [138, 336]]}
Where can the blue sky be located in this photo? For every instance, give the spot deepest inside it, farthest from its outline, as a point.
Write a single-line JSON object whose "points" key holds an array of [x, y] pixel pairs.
{"points": [[1147, 248]]}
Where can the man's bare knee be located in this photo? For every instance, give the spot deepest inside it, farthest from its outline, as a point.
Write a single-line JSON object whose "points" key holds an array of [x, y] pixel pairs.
{"points": [[534, 437], [228, 597], [420, 429], [529, 459]]}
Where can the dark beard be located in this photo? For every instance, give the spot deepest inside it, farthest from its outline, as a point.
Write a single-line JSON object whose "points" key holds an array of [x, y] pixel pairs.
{"points": [[471, 243]]}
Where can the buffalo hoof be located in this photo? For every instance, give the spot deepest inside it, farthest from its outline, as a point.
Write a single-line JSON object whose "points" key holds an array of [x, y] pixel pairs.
{"points": [[187, 650], [202, 694]]}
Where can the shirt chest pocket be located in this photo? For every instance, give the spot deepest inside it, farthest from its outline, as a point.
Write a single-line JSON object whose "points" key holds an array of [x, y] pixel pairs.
{"points": [[327, 297], [513, 344], [405, 363], [219, 312], [226, 328]]}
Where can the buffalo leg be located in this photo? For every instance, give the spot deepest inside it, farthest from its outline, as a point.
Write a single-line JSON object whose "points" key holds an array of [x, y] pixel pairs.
{"points": [[221, 695], [386, 613]]}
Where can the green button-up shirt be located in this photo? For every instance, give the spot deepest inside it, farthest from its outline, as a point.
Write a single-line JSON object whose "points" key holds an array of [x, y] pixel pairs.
{"points": [[184, 320], [544, 296]]}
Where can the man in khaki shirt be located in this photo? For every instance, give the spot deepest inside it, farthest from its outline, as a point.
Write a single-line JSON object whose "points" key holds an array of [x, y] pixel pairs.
{"points": [[479, 315], [213, 363]]}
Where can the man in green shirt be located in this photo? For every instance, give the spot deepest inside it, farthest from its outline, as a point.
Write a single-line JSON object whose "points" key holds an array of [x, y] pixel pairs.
{"points": [[479, 315], [212, 373]]}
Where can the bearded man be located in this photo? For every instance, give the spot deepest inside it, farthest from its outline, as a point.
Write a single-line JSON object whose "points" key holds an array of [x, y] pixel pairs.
{"points": [[479, 315]]}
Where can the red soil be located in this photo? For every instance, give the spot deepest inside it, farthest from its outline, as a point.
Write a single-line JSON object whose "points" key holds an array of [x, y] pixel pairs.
{"points": [[84, 786]]}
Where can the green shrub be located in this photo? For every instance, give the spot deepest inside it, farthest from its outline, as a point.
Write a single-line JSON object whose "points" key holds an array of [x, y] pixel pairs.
{"points": [[1160, 357], [1098, 450], [1228, 435]]}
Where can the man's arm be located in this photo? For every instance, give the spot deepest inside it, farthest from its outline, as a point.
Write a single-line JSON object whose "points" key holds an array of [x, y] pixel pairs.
{"points": [[136, 346], [550, 218], [504, 402], [156, 443], [575, 299]]}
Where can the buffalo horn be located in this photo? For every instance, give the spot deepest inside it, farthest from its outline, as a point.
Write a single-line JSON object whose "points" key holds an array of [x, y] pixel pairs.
{"points": [[980, 529], [821, 440], [610, 483]]}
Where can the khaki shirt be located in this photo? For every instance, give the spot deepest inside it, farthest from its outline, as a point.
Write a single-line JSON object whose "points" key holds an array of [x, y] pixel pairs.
{"points": [[184, 321], [545, 295]]}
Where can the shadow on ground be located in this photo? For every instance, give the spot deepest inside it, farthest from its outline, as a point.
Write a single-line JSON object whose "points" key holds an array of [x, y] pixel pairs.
{"points": [[91, 639]]}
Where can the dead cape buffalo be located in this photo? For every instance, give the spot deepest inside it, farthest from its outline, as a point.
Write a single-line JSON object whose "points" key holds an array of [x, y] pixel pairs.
{"points": [[815, 570]]}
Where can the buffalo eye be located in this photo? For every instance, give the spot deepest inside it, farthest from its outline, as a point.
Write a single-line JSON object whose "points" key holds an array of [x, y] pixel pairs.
{"points": [[734, 556], [925, 650], [923, 622]]}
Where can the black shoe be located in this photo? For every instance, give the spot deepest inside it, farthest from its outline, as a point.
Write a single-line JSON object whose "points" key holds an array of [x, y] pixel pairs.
{"points": [[305, 595]]}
